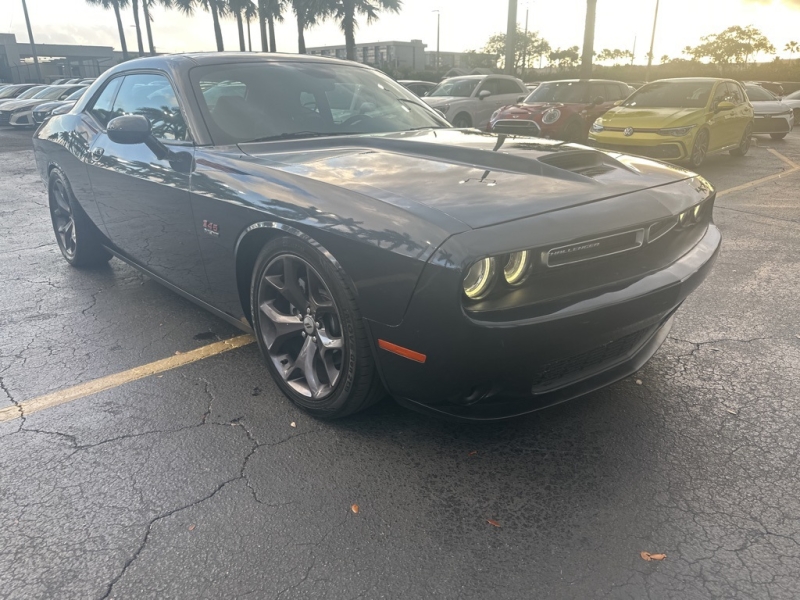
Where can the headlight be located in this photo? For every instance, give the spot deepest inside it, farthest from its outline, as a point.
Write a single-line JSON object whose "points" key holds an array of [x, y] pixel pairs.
{"points": [[550, 116], [516, 267], [494, 114], [479, 279], [676, 131], [597, 126], [443, 108]]}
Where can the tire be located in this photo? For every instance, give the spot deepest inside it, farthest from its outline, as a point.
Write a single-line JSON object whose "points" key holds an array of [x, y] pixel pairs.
{"points": [[699, 149], [778, 136], [310, 332], [462, 121], [573, 133], [744, 143], [77, 237]]}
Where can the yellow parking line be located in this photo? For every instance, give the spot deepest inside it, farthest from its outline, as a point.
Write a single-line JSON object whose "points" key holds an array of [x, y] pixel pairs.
{"points": [[793, 167], [111, 381]]}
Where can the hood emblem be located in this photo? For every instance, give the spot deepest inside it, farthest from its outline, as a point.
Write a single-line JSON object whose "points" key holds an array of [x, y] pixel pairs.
{"points": [[628, 132]]}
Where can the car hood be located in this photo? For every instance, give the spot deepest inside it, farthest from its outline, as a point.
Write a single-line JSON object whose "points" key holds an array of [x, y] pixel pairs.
{"points": [[650, 118], [479, 179], [4, 101], [530, 109], [52, 105], [441, 100], [29, 103], [770, 107]]}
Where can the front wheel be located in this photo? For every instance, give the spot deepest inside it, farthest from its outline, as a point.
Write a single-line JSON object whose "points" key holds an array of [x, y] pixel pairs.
{"points": [[700, 149], [778, 136], [573, 133], [744, 143], [462, 121], [310, 331]]}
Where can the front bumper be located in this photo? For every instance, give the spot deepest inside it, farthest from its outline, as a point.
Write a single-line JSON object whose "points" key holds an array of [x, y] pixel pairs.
{"points": [[651, 145], [22, 119], [773, 123], [489, 371]]}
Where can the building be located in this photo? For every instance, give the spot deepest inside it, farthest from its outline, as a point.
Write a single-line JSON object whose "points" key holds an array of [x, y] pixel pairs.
{"points": [[55, 60]]}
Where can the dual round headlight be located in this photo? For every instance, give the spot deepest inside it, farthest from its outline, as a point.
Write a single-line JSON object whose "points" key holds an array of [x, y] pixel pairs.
{"points": [[480, 278]]}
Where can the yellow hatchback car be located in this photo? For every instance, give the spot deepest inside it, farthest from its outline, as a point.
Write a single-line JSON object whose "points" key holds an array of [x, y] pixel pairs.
{"points": [[681, 120]]}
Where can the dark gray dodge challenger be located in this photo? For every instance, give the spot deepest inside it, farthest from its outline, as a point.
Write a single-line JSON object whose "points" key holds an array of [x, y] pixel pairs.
{"points": [[369, 246]]}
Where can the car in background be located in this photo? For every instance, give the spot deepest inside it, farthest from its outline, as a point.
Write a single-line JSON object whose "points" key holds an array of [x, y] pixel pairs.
{"points": [[530, 86], [19, 113], [88, 81], [418, 88], [793, 102], [17, 90], [469, 101], [679, 120], [771, 86], [562, 110], [42, 111], [772, 116]]}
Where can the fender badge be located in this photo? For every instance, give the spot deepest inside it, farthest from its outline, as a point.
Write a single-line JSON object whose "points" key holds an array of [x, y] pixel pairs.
{"points": [[210, 228]]}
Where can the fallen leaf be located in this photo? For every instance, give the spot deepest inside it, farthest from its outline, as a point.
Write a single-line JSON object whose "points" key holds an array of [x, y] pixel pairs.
{"points": [[178, 352], [648, 557], [638, 382], [292, 424], [733, 412], [355, 509], [191, 527], [473, 453], [715, 349], [493, 522], [256, 391]]}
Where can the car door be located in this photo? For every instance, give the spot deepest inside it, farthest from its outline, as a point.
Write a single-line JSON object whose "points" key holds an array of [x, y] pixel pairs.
{"points": [[719, 121], [144, 201], [743, 114], [484, 108]]}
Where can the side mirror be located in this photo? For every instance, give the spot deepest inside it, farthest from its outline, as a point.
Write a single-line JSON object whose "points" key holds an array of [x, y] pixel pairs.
{"points": [[724, 105], [483, 94], [598, 101], [129, 129], [619, 102], [520, 99]]}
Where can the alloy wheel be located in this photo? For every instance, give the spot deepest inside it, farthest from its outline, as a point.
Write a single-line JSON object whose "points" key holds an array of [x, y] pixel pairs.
{"points": [[300, 326], [700, 149], [63, 219]]}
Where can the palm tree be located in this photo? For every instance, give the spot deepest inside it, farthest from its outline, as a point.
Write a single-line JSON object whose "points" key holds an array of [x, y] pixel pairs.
{"points": [[250, 13], [792, 47], [308, 14], [239, 9], [588, 39], [116, 5], [146, 6], [269, 11], [217, 8], [345, 11], [135, 5]]}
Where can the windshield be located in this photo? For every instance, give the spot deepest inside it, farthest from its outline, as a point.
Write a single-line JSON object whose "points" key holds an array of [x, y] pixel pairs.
{"points": [[53, 93], [31, 92], [558, 91], [294, 100], [457, 87], [671, 94], [793, 96], [8, 92], [76, 95], [758, 94]]}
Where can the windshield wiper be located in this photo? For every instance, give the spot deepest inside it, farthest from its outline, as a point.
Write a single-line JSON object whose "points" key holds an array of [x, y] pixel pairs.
{"points": [[296, 135]]}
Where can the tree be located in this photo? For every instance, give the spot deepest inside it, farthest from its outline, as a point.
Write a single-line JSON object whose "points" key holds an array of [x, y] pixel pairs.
{"points": [[614, 56], [792, 47], [565, 59], [146, 6], [241, 10], [734, 45], [116, 5], [269, 11], [346, 11], [217, 8], [135, 5], [308, 13], [588, 39], [524, 46], [665, 59]]}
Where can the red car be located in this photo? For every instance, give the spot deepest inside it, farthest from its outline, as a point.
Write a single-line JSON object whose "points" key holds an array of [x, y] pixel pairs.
{"points": [[561, 110]]}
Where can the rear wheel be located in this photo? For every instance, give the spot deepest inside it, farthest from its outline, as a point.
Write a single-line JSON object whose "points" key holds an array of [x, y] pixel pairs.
{"points": [[744, 143], [700, 149], [462, 121], [778, 136], [77, 238], [573, 132], [310, 331]]}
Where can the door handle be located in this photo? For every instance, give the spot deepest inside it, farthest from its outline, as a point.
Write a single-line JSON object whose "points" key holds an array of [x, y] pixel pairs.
{"points": [[97, 153]]}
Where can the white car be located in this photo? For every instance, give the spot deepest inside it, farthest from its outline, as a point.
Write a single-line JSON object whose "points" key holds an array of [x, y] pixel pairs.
{"points": [[469, 101], [793, 102]]}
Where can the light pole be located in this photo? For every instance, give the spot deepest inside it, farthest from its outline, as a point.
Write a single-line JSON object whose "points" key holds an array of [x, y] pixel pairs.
{"points": [[525, 50], [438, 21], [511, 35], [588, 39], [33, 44], [652, 43]]}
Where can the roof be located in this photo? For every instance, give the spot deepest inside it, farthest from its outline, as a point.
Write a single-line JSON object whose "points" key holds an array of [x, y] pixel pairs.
{"points": [[696, 79], [220, 58]]}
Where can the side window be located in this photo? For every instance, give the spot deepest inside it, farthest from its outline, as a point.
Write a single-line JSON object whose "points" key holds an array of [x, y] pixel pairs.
{"points": [[491, 85], [101, 109], [720, 94], [508, 86], [735, 94], [152, 96], [597, 89]]}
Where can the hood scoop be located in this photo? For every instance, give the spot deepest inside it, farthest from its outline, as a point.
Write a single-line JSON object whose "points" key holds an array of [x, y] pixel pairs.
{"points": [[588, 163]]}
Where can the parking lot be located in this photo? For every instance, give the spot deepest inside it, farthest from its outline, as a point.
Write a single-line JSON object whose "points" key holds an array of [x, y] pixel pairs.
{"points": [[202, 480]]}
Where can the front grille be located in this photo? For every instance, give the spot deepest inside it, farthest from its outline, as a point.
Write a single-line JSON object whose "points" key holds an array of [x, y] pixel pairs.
{"points": [[584, 364], [517, 127], [665, 151], [39, 117], [5, 117], [594, 248], [771, 125]]}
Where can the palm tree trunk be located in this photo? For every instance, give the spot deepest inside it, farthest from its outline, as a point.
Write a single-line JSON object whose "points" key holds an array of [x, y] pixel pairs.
{"points": [[135, 5], [249, 39], [147, 27], [262, 24], [349, 26], [588, 39], [240, 26], [125, 55], [301, 39], [272, 44], [217, 29]]}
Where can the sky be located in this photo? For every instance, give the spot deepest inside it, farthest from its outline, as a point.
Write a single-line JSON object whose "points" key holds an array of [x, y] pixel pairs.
{"points": [[465, 24]]}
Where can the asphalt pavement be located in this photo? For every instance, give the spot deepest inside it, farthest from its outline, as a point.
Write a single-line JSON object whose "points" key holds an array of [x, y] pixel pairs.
{"points": [[204, 482]]}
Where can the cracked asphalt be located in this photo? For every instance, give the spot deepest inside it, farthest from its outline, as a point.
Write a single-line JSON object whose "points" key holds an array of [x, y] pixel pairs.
{"points": [[193, 484]]}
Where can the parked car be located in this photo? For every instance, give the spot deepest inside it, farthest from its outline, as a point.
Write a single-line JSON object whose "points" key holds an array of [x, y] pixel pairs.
{"points": [[19, 113], [772, 116], [561, 110], [19, 90], [418, 88], [793, 102], [376, 247], [679, 120], [530, 86], [42, 111], [469, 101], [771, 86]]}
